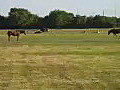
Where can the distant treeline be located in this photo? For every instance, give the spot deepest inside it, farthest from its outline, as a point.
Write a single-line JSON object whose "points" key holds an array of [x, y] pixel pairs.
{"points": [[20, 18]]}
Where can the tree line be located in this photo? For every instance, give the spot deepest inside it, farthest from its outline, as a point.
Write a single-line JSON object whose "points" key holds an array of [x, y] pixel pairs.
{"points": [[22, 18]]}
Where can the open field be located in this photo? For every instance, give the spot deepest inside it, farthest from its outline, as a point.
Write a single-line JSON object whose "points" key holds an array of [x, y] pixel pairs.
{"points": [[60, 60]]}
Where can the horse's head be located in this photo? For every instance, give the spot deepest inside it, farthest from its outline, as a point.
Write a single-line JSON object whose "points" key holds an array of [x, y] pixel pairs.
{"points": [[9, 33], [109, 32]]}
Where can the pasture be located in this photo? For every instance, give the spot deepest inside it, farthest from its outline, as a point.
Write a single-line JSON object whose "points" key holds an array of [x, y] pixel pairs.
{"points": [[60, 60]]}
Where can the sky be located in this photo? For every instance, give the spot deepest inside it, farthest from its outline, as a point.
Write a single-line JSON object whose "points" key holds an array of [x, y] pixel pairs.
{"points": [[80, 7]]}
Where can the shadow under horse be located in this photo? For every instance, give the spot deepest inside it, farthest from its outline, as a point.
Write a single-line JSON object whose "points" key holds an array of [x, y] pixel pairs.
{"points": [[114, 31], [15, 33]]}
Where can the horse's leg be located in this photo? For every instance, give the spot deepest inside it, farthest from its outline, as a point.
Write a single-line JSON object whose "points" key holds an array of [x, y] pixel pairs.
{"points": [[118, 36], [115, 34], [9, 38], [17, 38]]}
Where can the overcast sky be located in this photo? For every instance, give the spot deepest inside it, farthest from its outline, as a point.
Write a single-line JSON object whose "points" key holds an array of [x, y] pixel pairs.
{"points": [[81, 7]]}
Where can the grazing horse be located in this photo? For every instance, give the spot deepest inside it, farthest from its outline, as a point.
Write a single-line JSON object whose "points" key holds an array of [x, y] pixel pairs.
{"points": [[13, 33], [21, 31], [114, 31]]}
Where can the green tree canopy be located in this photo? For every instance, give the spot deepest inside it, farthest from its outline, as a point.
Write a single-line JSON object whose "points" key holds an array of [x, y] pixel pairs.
{"points": [[56, 19], [60, 18], [18, 16]]}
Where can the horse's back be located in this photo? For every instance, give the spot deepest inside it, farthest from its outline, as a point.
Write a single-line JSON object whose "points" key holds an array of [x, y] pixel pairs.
{"points": [[21, 31], [118, 30], [115, 29]]}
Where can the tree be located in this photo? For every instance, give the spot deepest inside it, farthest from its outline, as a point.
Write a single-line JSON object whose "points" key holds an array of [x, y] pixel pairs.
{"points": [[118, 22], [56, 19], [3, 22], [19, 16], [79, 21], [89, 21], [59, 18], [99, 21], [111, 21]]}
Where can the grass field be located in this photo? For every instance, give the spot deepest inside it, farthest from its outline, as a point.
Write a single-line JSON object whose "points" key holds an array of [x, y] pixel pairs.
{"points": [[60, 60]]}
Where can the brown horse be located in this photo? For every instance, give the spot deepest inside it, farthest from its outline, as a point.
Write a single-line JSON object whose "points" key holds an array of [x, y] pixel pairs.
{"points": [[21, 31], [13, 33]]}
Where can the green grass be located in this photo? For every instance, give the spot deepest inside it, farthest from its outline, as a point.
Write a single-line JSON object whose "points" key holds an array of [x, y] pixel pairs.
{"points": [[59, 60]]}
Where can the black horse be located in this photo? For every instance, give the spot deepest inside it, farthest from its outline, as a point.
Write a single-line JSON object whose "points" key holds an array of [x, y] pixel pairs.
{"points": [[13, 33], [114, 31], [44, 29]]}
